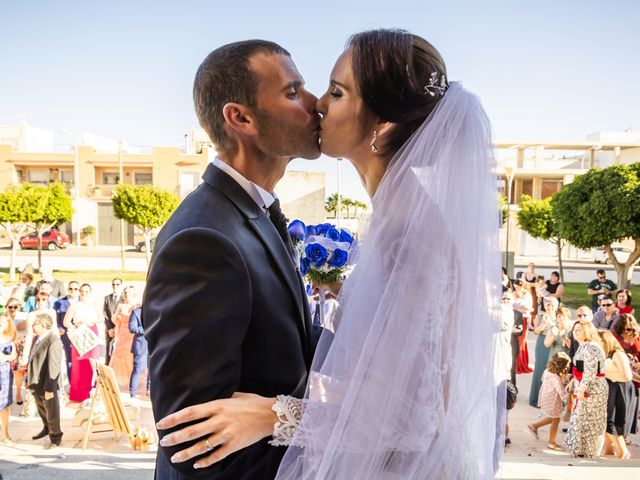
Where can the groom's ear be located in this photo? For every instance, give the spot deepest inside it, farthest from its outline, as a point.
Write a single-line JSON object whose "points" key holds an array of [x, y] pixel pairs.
{"points": [[239, 119]]}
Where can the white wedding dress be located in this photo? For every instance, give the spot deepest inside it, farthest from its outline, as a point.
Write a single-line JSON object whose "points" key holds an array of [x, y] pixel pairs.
{"points": [[405, 389]]}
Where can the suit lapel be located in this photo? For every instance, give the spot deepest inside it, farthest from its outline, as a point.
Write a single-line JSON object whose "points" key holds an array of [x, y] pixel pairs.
{"points": [[263, 227]]}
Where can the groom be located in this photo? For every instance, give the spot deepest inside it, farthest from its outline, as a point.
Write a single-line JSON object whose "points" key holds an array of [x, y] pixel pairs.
{"points": [[224, 308]]}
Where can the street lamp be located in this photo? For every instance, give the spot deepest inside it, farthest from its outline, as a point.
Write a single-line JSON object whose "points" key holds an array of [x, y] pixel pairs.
{"points": [[122, 226], [510, 174], [76, 182]]}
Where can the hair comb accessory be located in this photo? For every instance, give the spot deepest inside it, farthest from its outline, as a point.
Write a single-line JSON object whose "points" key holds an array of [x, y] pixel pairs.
{"points": [[436, 85]]}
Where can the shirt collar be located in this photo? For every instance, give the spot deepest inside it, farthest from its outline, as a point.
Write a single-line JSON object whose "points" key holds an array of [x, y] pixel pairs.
{"points": [[262, 198]]}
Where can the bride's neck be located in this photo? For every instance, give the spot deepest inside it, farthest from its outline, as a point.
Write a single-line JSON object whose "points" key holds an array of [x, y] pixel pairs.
{"points": [[371, 168]]}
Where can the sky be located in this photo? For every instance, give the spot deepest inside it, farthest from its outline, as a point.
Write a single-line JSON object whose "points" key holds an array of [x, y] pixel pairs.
{"points": [[545, 70]]}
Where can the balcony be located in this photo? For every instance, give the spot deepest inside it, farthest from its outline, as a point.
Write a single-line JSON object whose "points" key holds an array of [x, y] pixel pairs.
{"points": [[101, 191]]}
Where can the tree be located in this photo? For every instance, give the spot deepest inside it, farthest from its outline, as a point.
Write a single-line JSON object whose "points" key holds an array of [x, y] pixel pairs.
{"points": [[58, 209], [146, 206], [331, 204], [20, 206], [536, 218], [602, 207]]}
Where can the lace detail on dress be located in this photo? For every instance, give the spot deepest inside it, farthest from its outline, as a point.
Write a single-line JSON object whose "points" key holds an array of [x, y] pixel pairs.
{"points": [[289, 412]]}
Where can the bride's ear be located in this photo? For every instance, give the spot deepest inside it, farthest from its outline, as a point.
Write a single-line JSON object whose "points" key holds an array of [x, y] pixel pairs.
{"points": [[382, 130]]}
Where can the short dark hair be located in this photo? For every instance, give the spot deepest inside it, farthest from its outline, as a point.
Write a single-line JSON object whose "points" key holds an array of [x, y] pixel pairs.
{"points": [[556, 273], [621, 323], [117, 279], [391, 69], [223, 77], [600, 271], [628, 292]]}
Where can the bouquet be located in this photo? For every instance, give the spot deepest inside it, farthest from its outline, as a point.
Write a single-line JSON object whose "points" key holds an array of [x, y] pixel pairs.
{"points": [[324, 253]]}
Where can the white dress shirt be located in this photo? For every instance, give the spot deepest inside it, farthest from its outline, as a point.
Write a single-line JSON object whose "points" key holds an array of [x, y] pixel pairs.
{"points": [[262, 198]]}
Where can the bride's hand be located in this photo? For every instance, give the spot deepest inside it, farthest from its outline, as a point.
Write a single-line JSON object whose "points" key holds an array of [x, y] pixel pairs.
{"points": [[332, 289], [228, 425]]}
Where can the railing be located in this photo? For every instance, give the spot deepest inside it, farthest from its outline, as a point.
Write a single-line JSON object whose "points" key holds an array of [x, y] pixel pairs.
{"points": [[101, 190]]}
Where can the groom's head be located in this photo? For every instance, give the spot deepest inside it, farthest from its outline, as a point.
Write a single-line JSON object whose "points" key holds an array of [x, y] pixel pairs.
{"points": [[251, 94]]}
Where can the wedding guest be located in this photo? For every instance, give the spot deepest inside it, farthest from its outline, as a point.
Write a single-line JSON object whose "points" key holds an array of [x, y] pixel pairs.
{"points": [[24, 336], [541, 288], [552, 396], [542, 324], [607, 315], [57, 286], [623, 301], [627, 332], [80, 321], [516, 333], [503, 361], [8, 353], [61, 307], [108, 310], [43, 287], [42, 304], [584, 315], [599, 285], [555, 288], [139, 350], [622, 403], [557, 339], [44, 372], [24, 289], [122, 358], [529, 279], [523, 303], [506, 281], [585, 436]]}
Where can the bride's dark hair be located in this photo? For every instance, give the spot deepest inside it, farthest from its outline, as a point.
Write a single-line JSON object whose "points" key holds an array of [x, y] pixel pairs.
{"points": [[391, 69]]}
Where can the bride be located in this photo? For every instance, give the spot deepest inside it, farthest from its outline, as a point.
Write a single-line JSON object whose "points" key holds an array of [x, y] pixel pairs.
{"points": [[405, 388]]}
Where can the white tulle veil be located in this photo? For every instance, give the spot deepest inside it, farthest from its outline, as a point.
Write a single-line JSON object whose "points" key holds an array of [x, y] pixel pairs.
{"points": [[405, 389]]}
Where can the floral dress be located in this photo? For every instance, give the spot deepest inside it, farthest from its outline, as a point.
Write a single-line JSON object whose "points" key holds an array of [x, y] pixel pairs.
{"points": [[6, 376], [585, 437]]}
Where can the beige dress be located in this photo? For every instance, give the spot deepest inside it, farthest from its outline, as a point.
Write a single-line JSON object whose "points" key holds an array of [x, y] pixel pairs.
{"points": [[122, 358]]}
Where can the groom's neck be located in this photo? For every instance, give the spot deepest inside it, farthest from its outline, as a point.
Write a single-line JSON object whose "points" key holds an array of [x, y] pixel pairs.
{"points": [[264, 171]]}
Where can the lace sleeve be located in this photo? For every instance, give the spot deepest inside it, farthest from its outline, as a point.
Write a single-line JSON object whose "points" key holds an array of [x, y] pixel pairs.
{"points": [[289, 411]]}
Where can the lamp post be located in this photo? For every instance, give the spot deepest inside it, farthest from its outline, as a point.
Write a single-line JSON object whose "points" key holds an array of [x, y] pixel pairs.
{"points": [[339, 203], [510, 174], [76, 181], [121, 180]]}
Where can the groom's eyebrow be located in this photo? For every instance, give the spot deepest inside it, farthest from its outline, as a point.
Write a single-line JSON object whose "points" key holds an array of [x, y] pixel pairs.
{"points": [[293, 84]]}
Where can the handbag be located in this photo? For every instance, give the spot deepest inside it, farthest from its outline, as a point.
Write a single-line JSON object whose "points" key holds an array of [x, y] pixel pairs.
{"points": [[512, 394], [83, 339]]}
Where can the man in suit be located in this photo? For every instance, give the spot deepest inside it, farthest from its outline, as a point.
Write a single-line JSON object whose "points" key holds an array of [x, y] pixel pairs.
{"points": [[109, 305], [139, 350], [61, 306], [225, 309], [43, 373]]}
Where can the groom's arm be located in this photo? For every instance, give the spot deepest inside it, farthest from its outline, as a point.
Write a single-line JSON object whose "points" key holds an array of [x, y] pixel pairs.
{"points": [[196, 311]]}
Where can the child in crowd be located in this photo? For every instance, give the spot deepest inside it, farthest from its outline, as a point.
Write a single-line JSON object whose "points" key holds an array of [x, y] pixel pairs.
{"points": [[541, 288], [552, 396]]}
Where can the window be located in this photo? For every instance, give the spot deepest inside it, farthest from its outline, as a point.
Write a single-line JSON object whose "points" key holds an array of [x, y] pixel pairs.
{"points": [[110, 178], [39, 176], [143, 178], [550, 187]]}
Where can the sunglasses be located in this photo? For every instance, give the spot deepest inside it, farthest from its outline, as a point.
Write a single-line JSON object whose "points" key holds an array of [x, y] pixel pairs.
{"points": [[73, 289], [607, 304], [116, 284], [630, 329], [13, 307]]}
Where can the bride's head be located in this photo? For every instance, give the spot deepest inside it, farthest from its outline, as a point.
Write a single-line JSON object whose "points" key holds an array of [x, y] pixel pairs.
{"points": [[382, 87]]}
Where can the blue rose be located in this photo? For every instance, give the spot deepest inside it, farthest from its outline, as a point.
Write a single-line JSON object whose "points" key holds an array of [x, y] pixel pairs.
{"points": [[304, 265], [297, 230], [322, 228], [345, 236], [338, 259], [316, 254], [311, 230], [332, 234]]}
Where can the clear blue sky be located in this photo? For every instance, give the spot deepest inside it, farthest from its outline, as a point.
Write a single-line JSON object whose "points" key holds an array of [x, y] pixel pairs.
{"points": [[545, 70]]}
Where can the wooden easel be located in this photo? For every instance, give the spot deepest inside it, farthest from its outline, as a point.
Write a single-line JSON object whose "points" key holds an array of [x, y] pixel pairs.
{"points": [[107, 388]]}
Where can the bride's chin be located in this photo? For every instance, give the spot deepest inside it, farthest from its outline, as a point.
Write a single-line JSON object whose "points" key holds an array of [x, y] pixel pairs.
{"points": [[325, 149]]}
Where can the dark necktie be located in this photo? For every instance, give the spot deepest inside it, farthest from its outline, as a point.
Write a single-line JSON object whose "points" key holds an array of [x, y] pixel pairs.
{"points": [[280, 222]]}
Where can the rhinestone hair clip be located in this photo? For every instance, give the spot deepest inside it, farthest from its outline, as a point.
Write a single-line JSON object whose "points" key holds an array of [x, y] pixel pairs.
{"points": [[435, 85]]}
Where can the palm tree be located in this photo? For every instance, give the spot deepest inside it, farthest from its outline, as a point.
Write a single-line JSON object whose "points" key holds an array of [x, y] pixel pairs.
{"points": [[331, 205]]}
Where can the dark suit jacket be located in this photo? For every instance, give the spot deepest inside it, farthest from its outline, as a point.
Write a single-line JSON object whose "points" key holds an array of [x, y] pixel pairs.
{"points": [[224, 311], [43, 370], [108, 309], [139, 344]]}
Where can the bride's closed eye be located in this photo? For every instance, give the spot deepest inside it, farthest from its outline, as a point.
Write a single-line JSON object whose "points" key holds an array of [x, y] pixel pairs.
{"points": [[336, 92]]}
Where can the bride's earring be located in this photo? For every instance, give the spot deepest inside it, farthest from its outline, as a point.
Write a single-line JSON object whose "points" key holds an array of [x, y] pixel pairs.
{"points": [[374, 149]]}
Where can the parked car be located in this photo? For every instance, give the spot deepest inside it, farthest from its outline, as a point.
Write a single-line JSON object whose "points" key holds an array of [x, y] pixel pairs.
{"points": [[622, 254], [141, 246], [51, 240]]}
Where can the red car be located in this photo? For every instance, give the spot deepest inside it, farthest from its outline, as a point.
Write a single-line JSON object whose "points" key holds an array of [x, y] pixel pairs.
{"points": [[51, 240]]}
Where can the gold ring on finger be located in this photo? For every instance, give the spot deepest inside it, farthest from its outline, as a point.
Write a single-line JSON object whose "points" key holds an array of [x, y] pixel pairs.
{"points": [[207, 445]]}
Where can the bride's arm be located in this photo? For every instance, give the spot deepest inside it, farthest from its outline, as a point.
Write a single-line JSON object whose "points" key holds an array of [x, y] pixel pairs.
{"points": [[230, 424]]}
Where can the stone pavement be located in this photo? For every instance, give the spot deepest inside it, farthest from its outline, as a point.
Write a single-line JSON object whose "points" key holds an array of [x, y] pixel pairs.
{"points": [[107, 458]]}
